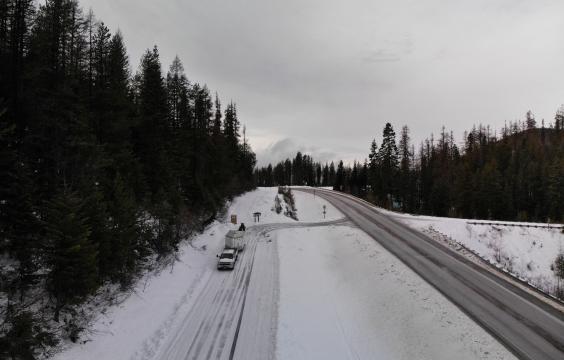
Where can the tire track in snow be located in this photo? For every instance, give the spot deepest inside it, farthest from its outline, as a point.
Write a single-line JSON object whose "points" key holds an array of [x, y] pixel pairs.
{"points": [[211, 328]]}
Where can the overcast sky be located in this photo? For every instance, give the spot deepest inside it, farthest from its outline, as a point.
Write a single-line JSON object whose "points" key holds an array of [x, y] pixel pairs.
{"points": [[324, 76]]}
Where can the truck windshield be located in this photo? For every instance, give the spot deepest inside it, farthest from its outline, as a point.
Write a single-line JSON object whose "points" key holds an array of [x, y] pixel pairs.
{"points": [[226, 256]]}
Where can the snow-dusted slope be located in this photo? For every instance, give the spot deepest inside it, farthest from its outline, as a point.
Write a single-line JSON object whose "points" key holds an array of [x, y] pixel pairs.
{"points": [[526, 252]]}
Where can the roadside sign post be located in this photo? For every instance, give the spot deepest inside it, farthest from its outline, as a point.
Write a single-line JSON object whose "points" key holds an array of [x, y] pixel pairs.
{"points": [[324, 211], [234, 219], [256, 216]]}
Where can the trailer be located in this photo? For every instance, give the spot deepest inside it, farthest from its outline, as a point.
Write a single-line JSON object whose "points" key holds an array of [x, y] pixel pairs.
{"points": [[235, 240]]}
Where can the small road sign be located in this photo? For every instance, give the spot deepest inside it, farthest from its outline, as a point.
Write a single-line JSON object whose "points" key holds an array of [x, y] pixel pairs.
{"points": [[257, 216]]}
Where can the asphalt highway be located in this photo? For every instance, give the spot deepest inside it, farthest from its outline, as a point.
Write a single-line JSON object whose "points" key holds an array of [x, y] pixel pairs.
{"points": [[528, 327]]}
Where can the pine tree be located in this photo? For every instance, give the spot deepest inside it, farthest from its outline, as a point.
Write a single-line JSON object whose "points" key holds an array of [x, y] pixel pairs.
{"points": [[373, 156], [16, 18], [325, 181], [127, 251], [71, 256], [180, 147], [388, 158], [24, 337], [152, 134], [60, 136], [177, 89], [203, 152], [217, 132], [373, 168], [118, 66], [22, 227], [555, 191], [100, 92], [559, 119], [530, 120], [231, 125], [203, 111], [94, 209], [405, 183], [339, 184], [19, 226], [332, 174], [120, 107]]}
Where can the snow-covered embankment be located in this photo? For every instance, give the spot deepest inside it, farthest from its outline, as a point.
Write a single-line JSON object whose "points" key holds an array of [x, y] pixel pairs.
{"points": [[524, 250]]}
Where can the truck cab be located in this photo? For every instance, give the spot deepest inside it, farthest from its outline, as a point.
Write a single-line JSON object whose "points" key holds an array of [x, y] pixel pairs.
{"points": [[227, 259]]}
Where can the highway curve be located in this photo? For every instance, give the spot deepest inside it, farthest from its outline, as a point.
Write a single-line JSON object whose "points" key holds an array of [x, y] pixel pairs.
{"points": [[528, 327]]}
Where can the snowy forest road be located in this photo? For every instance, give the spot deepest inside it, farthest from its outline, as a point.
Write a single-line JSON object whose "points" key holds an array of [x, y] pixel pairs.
{"points": [[530, 329], [234, 316]]}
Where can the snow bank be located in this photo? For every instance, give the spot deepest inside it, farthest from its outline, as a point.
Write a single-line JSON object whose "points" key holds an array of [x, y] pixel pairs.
{"points": [[525, 252]]}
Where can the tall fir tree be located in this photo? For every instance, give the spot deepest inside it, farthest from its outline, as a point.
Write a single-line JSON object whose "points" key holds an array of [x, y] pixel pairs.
{"points": [[389, 161], [71, 256]]}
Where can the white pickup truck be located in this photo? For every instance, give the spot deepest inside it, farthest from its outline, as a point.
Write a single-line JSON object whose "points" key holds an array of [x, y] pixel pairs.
{"points": [[227, 259]]}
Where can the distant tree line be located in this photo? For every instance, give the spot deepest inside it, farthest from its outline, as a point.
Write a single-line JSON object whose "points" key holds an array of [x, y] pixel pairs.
{"points": [[517, 174], [301, 170], [101, 170]]}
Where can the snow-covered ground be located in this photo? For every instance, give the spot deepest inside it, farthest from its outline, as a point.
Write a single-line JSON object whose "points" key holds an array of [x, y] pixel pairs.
{"points": [[525, 252], [343, 296], [310, 208], [307, 292], [139, 323], [138, 326]]}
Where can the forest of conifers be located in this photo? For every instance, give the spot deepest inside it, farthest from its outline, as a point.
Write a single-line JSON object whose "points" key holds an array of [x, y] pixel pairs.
{"points": [[517, 174], [101, 170], [104, 170]]}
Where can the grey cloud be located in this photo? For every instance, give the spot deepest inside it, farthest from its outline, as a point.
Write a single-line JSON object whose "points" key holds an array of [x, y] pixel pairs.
{"points": [[331, 73], [287, 149], [393, 51], [381, 55]]}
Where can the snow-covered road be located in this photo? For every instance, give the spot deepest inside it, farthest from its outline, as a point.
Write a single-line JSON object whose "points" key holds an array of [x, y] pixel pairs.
{"points": [[234, 317], [312, 289]]}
